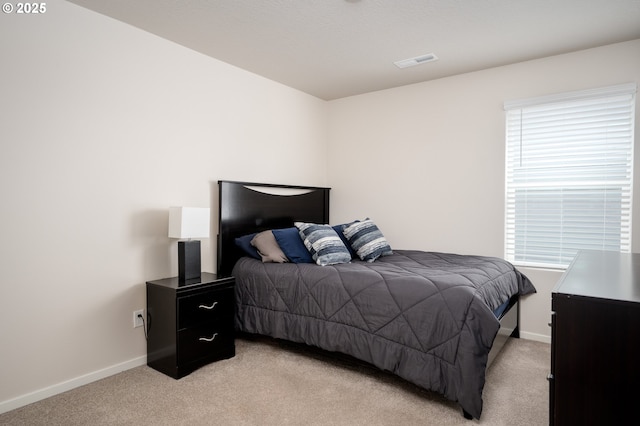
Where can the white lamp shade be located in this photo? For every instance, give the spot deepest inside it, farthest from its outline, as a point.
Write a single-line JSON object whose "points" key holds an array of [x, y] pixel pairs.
{"points": [[189, 222]]}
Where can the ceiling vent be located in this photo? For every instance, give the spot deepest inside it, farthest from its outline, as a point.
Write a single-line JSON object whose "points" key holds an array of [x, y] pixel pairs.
{"points": [[405, 63]]}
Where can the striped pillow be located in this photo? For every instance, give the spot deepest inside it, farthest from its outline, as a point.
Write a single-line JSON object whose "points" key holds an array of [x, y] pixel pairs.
{"points": [[366, 240], [323, 243]]}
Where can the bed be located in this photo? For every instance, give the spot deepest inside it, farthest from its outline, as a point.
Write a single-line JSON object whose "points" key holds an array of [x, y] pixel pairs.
{"points": [[435, 319]]}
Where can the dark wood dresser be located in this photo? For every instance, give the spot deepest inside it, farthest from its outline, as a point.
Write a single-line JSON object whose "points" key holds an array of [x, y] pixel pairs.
{"points": [[190, 324], [595, 341]]}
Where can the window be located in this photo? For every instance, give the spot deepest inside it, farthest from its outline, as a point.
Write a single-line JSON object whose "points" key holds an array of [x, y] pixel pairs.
{"points": [[568, 175]]}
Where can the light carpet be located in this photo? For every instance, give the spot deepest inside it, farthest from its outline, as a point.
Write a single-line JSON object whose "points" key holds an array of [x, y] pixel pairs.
{"points": [[267, 383]]}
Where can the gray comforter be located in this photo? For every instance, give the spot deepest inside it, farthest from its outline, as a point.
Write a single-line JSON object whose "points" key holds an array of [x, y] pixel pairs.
{"points": [[424, 316]]}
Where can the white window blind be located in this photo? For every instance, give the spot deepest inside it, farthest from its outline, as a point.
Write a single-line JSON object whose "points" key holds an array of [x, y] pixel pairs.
{"points": [[568, 175]]}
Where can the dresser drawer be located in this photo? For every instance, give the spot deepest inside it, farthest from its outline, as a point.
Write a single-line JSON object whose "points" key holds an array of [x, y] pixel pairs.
{"points": [[204, 341], [215, 305]]}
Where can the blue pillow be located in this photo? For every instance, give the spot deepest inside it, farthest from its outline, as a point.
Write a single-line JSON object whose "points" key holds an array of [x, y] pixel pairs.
{"points": [[291, 244], [244, 243], [367, 240], [323, 243], [338, 229]]}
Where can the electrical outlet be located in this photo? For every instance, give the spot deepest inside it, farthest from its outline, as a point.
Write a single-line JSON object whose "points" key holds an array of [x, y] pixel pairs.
{"points": [[137, 320]]}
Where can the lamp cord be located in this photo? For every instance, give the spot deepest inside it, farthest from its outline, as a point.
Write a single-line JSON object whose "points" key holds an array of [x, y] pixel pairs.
{"points": [[144, 326]]}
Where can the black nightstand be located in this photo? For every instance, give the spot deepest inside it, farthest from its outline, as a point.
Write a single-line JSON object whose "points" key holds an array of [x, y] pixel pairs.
{"points": [[189, 324]]}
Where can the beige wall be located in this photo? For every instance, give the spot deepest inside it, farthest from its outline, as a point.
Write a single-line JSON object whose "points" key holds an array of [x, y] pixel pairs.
{"points": [[103, 127], [426, 161]]}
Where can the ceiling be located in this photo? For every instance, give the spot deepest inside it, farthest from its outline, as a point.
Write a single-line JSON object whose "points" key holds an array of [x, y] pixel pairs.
{"points": [[336, 48]]}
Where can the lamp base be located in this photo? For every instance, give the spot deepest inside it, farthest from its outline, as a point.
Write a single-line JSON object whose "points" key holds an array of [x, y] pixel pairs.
{"points": [[188, 260]]}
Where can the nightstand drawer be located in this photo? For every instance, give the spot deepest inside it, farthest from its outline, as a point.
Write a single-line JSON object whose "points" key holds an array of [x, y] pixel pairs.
{"points": [[203, 341], [205, 307]]}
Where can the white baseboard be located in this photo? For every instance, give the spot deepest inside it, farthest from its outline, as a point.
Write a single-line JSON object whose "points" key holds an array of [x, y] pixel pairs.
{"points": [[535, 336], [38, 395]]}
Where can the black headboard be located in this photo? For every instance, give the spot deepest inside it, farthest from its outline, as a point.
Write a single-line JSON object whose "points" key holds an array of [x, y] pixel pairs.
{"points": [[247, 207]]}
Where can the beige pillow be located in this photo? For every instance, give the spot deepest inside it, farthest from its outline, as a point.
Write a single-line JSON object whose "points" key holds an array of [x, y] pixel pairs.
{"points": [[268, 247]]}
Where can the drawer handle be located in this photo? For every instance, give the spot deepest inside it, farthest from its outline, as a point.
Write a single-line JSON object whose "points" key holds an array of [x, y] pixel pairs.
{"points": [[206, 339], [213, 305]]}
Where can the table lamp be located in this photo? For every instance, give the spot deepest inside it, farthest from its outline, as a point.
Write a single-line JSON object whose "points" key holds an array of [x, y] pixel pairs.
{"points": [[189, 222]]}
